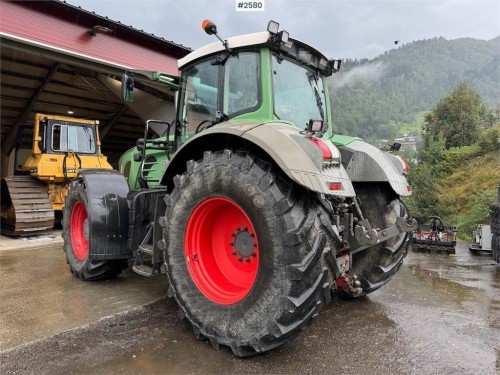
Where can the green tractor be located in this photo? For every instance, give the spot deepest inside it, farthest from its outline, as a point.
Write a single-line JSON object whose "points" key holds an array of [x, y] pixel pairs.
{"points": [[249, 203]]}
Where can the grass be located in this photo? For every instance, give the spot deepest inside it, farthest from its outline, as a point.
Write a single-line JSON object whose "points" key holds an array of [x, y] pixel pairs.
{"points": [[466, 194], [415, 127]]}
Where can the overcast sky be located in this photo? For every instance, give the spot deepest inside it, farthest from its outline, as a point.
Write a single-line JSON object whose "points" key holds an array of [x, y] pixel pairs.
{"points": [[338, 28]]}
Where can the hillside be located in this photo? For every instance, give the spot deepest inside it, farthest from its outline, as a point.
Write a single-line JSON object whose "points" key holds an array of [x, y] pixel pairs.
{"points": [[466, 194], [460, 189], [373, 98]]}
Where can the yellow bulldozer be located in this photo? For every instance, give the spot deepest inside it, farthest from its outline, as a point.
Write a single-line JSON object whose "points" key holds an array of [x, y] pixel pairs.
{"points": [[62, 148]]}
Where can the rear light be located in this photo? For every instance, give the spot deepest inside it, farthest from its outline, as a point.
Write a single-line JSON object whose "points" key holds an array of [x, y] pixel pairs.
{"points": [[409, 188], [404, 164], [325, 150], [335, 186]]}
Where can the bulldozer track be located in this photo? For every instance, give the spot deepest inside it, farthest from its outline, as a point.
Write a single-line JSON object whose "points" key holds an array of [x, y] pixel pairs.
{"points": [[26, 208]]}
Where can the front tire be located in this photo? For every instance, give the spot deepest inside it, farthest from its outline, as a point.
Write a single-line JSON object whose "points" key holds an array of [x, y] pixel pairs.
{"points": [[243, 253], [76, 239]]}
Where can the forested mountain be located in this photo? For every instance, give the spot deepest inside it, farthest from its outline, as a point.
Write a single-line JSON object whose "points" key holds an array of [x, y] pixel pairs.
{"points": [[371, 98]]}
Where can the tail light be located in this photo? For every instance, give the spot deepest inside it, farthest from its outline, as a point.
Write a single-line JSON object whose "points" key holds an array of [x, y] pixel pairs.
{"points": [[404, 164], [335, 186], [325, 150]]}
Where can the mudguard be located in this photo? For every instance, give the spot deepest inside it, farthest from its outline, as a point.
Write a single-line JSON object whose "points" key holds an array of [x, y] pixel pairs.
{"points": [[108, 214], [366, 163], [300, 159]]}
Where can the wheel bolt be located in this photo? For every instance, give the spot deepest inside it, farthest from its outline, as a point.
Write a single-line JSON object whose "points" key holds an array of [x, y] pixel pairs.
{"points": [[240, 260], [238, 229], [254, 255], [252, 235], [233, 234], [231, 243], [234, 253], [245, 229], [247, 260]]}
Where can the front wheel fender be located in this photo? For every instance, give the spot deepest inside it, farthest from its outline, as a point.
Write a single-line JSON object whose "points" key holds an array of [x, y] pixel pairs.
{"points": [[108, 214]]}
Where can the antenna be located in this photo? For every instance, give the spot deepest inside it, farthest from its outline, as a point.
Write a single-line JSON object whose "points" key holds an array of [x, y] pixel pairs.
{"points": [[211, 29]]}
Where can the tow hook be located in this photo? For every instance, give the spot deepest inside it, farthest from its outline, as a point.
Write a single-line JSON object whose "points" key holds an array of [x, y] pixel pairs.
{"points": [[348, 283]]}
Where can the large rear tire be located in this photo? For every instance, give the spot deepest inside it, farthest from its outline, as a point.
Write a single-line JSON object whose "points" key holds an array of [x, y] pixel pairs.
{"points": [[376, 265], [243, 253], [76, 239]]}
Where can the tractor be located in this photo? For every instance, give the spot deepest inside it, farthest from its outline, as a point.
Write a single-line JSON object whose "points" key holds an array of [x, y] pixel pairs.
{"points": [[250, 204], [62, 147]]}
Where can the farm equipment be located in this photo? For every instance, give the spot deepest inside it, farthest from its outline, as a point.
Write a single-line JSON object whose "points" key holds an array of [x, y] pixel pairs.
{"points": [[248, 202], [62, 148], [432, 235]]}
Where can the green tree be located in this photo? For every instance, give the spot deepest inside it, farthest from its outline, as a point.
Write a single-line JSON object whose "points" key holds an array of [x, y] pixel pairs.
{"points": [[423, 202], [458, 117]]}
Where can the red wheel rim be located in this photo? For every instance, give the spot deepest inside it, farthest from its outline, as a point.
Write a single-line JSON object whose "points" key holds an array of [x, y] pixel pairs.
{"points": [[221, 250], [79, 231]]}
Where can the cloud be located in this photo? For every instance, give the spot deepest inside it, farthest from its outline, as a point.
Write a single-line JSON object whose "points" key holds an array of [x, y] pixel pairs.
{"points": [[338, 28], [373, 71]]}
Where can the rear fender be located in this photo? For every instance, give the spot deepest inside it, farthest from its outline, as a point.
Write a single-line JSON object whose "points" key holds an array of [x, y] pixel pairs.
{"points": [[108, 212], [300, 159], [366, 163]]}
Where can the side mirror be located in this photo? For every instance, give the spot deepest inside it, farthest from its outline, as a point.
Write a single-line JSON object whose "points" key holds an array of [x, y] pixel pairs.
{"points": [[140, 144], [127, 89], [335, 65]]}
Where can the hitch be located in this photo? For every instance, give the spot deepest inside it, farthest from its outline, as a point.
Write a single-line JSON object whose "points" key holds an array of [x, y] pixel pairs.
{"points": [[365, 236], [346, 282]]}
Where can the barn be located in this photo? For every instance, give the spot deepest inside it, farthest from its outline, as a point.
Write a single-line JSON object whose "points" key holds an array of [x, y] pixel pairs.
{"points": [[60, 59]]}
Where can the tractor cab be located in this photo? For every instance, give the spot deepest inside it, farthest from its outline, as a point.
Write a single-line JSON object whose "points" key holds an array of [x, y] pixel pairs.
{"points": [[261, 77], [265, 77]]}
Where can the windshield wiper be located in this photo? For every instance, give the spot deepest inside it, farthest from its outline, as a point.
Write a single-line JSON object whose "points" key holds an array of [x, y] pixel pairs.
{"points": [[88, 133], [319, 103]]}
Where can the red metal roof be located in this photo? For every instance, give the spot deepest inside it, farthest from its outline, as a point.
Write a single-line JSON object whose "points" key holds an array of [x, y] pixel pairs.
{"points": [[62, 26]]}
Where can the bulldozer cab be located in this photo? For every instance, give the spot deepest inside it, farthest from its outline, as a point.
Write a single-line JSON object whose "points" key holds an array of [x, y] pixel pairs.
{"points": [[62, 147], [60, 135]]}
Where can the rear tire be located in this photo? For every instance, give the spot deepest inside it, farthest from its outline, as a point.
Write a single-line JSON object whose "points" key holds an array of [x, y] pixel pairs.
{"points": [[376, 265], [254, 218], [76, 244]]}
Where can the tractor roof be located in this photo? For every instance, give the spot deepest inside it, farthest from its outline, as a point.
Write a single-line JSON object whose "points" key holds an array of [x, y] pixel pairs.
{"points": [[234, 42], [291, 47]]}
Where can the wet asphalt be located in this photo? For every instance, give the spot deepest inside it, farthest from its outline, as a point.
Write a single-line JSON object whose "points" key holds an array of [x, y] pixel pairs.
{"points": [[439, 315]]}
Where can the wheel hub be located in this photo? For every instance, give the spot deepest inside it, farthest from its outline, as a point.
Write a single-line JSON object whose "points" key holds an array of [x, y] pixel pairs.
{"points": [[244, 244]]}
